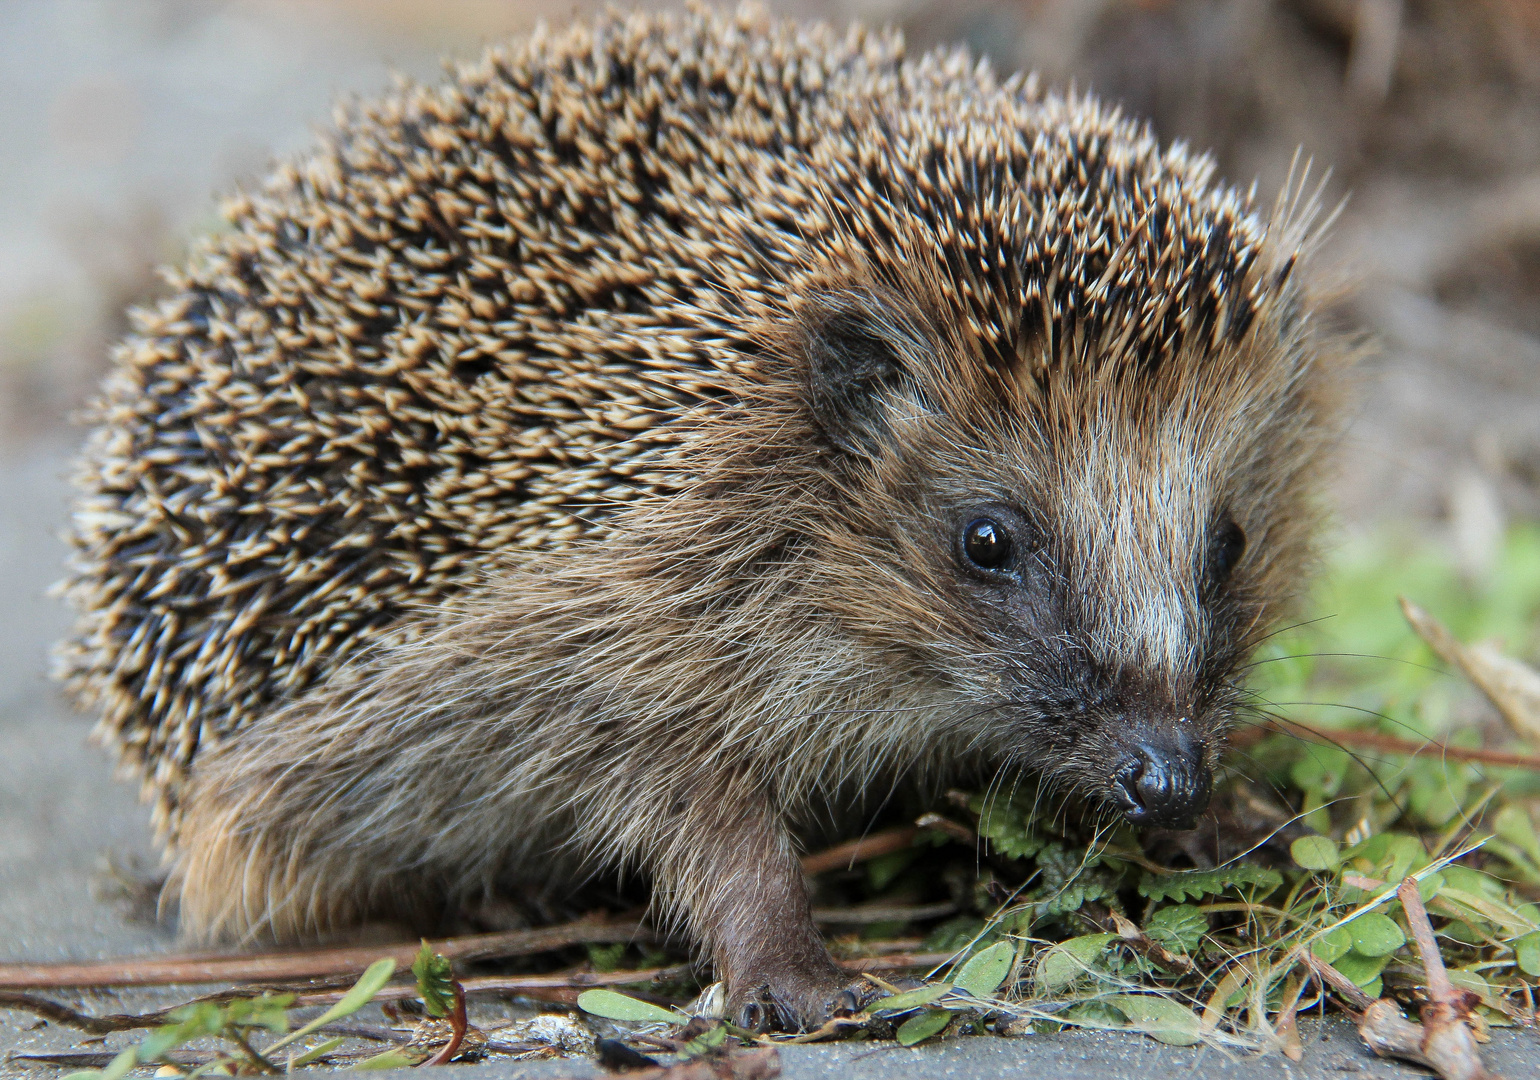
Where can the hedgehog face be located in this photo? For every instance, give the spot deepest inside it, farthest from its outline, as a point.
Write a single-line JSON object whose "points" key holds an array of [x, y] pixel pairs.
{"points": [[1107, 543]]}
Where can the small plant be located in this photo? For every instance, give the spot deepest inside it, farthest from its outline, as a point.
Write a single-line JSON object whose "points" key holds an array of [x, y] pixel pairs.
{"points": [[236, 1022], [1105, 936]]}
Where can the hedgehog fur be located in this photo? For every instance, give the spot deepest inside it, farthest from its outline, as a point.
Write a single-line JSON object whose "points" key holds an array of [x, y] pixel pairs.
{"points": [[545, 471]]}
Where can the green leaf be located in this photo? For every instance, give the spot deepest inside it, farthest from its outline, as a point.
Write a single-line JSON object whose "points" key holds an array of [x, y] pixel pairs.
{"points": [[1393, 856], [435, 981], [1437, 790], [119, 1066], [919, 1028], [270, 1011], [1333, 944], [1007, 824], [1160, 1018], [955, 933], [1361, 970], [1321, 770], [1473, 881], [319, 1052], [1484, 909], [1473, 981], [881, 871], [1179, 927], [398, 1058], [1193, 884], [1063, 964], [1375, 934], [361, 993], [606, 957], [1068, 878], [1514, 825], [982, 975], [164, 1039], [613, 1006], [216, 1018], [1526, 950], [1316, 853], [909, 999], [705, 1042]]}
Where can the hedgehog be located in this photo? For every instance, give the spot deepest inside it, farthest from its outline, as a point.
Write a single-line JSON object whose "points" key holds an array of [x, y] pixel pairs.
{"points": [[662, 434]]}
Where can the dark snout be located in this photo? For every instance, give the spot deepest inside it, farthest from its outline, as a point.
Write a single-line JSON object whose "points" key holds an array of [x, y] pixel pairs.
{"points": [[1164, 781]]}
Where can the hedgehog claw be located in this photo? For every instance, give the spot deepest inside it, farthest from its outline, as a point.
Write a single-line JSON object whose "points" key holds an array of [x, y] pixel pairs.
{"points": [[753, 1016]]}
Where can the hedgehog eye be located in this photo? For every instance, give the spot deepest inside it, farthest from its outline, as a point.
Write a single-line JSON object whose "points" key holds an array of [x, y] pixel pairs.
{"points": [[987, 544], [1225, 549]]}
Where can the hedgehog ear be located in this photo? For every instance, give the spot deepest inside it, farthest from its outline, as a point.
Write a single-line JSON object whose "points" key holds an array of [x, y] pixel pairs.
{"points": [[853, 366]]}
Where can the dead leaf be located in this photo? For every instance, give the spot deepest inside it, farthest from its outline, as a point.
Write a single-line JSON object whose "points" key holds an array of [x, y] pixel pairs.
{"points": [[1512, 686], [1137, 940], [1287, 1028]]}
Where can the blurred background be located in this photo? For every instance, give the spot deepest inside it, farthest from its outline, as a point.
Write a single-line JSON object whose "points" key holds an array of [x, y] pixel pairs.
{"points": [[123, 121]]}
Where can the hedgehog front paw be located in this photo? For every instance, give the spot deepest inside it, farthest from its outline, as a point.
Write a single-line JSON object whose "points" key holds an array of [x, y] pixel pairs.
{"points": [[793, 1003]]}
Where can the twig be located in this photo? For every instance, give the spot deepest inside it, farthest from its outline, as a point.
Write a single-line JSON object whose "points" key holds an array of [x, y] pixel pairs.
{"points": [[101, 1059], [1344, 986], [863, 914], [877, 948], [364, 1031], [1373, 740], [1136, 939], [843, 856], [957, 831], [1443, 1041], [581, 979], [311, 963], [193, 968], [901, 962], [1448, 1045], [305, 997], [1512, 686], [63, 1014], [1440, 989], [252, 1056]]}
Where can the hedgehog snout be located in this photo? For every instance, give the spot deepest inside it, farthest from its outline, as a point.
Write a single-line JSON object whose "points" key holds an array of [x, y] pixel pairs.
{"points": [[1163, 780]]}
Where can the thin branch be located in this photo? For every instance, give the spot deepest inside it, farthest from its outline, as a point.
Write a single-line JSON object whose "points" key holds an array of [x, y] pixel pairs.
{"points": [[1344, 986], [844, 856], [862, 914], [1440, 990], [310, 963], [63, 1014], [487, 984], [1389, 744]]}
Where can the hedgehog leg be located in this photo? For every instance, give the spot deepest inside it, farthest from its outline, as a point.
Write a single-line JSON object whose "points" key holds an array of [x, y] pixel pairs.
{"points": [[733, 873]]}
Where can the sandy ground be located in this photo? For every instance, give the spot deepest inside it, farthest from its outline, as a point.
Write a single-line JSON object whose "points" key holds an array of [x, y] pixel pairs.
{"points": [[119, 123]]}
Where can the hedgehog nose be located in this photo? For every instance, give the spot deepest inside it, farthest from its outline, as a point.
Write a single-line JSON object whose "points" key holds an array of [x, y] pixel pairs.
{"points": [[1165, 782]]}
